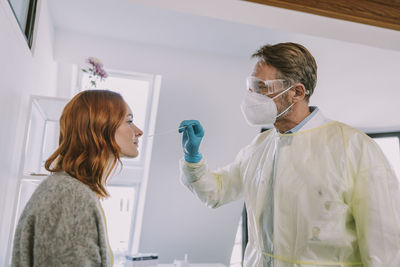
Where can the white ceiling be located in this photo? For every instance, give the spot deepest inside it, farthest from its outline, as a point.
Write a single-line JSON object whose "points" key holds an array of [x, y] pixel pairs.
{"points": [[225, 26]]}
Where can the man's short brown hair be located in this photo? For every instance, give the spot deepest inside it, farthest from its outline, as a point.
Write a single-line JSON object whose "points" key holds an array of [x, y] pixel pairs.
{"points": [[294, 63]]}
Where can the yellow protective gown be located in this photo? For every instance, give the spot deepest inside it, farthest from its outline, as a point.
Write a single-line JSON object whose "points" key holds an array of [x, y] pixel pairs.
{"points": [[335, 198]]}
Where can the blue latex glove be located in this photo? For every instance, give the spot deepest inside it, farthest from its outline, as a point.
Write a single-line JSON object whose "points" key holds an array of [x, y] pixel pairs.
{"points": [[192, 134]]}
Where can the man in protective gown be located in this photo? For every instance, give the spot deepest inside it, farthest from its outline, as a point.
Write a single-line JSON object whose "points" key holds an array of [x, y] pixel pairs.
{"points": [[317, 192]]}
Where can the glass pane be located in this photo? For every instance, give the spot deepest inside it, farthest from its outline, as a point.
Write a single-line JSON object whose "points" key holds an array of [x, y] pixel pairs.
{"points": [[134, 91], [20, 8], [119, 211], [391, 149]]}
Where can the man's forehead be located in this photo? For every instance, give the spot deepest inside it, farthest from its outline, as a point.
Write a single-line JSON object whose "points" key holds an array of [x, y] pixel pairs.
{"points": [[264, 71], [257, 66]]}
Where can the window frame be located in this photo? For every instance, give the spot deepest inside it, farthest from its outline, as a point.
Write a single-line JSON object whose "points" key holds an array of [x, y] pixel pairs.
{"points": [[377, 135], [384, 134], [137, 171]]}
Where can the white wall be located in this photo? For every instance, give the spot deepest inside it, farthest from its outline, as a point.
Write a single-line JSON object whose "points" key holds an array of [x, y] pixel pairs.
{"points": [[194, 85], [357, 84], [22, 73]]}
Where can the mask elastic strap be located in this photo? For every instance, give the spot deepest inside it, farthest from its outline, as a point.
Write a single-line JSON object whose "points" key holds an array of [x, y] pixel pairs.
{"points": [[280, 114], [284, 91]]}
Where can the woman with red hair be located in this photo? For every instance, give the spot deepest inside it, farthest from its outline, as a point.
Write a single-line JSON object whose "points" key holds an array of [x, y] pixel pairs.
{"points": [[63, 223]]}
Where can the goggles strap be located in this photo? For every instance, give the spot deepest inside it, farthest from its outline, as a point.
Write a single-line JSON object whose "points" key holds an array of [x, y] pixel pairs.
{"points": [[281, 93]]}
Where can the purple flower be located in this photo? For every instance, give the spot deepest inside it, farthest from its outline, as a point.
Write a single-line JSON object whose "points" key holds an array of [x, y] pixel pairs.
{"points": [[95, 70]]}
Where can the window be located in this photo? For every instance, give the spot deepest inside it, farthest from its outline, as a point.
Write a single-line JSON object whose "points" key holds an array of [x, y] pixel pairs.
{"points": [[119, 216], [135, 89], [25, 13], [390, 145], [138, 90], [124, 208]]}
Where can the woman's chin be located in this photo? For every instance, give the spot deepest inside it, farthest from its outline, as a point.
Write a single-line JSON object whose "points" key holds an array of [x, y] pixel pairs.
{"points": [[129, 155]]}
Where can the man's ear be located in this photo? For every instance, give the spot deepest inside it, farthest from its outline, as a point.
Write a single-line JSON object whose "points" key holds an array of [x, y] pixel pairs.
{"points": [[299, 92]]}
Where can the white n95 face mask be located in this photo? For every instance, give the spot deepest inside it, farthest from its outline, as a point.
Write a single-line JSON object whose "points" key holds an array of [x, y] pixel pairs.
{"points": [[260, 109]]}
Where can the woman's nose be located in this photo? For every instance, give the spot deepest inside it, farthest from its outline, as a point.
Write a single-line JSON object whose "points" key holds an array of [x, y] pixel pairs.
{"points": [[138, 132]]}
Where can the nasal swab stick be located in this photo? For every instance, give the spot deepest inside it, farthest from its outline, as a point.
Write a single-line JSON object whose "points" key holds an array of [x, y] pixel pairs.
{"points": [[169, 131]]}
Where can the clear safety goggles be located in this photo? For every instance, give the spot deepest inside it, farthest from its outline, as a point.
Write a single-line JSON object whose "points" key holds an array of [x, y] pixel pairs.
{"points": [[265, 87]]}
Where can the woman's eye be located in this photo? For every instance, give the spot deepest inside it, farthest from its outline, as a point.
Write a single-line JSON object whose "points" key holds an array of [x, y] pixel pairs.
{"points": [[130, 121]]}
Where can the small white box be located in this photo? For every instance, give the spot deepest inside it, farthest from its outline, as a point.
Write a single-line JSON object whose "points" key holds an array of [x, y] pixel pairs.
{"points": [[141, 260]]}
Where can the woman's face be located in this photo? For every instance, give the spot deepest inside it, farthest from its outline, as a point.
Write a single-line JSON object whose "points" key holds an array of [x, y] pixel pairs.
{"points": [[127, 136]]}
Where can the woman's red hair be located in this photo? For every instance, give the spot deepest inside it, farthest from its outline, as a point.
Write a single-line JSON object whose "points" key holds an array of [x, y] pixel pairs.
{"points": [[87, 147]]}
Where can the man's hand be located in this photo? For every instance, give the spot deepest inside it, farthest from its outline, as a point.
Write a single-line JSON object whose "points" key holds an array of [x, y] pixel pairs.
{"points": [[192, 135]]}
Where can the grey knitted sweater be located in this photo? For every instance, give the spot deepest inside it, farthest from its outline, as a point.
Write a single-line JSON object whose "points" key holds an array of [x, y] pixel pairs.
{"points": [[61, 225]]}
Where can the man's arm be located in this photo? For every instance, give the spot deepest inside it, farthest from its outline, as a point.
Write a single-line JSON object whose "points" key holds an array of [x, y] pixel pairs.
{"points": [[376, 209], [214, 188]]}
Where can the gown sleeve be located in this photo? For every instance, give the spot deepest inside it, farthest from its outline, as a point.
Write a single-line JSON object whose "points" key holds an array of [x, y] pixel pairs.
{"points": [[376, 208], [214, 188]]}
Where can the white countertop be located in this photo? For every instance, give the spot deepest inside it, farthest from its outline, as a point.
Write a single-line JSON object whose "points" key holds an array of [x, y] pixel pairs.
{"points": [[190, 265]]}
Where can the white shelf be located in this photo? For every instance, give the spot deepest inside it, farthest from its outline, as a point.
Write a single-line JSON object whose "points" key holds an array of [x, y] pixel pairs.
{"points": [[42, 130]]}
